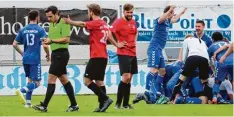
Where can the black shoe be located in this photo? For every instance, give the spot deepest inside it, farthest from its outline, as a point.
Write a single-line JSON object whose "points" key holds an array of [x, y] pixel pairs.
{"points": [[128, 107], [72, 108], [106, 104], [40, 107], [97, 110]]}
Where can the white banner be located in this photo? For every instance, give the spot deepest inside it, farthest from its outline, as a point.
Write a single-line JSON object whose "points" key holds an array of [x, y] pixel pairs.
{"points": [[216, 18], [13, 77]]}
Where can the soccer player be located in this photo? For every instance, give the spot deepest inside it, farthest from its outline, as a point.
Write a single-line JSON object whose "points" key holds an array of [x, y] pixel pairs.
{"points": [[125, 30], [223, 69], [58, 38], [200, 25], [30, 36], [151, 95], [196, 56], [225, 95], [157, 44], [95, 69]]}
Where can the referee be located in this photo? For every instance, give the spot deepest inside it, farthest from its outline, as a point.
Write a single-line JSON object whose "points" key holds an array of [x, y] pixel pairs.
{"points": [[58, 38], [195, 56]]}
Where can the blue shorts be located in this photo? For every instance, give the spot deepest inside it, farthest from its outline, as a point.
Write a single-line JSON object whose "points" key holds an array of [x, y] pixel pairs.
{"points": [[155, 58], [33, 71], [197, 85], [222, 71]]}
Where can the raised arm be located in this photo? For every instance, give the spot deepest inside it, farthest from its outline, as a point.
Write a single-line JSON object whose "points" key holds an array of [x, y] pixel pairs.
{"points": [[219, 50], [165, 15], [228, 52], [74, 23], [175, 18]]}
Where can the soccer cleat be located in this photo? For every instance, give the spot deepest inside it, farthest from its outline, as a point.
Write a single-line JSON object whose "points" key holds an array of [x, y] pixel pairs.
{"points": [[128, 107], [106, 104], [28, 105], [166, 100], [222, 101], [138, 98], [21, 96], [40, 107], [162, 100], [72, 108], [97, 110]]}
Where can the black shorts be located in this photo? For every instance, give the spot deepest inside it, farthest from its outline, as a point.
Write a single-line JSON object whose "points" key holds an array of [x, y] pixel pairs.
{"points": [[59, 61], [194, 62], [95, 69], [127, 64]]}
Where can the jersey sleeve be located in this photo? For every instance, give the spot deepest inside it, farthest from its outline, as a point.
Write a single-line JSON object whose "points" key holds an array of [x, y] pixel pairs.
{"points": [[19, 37], [209, 41], [185, 50], [89, 25], [43, 33], [114, 27], [210, 51], [65, 30]]}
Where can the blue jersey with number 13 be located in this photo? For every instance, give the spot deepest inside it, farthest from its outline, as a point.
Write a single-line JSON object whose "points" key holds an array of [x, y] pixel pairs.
{"points": [[30, 36]]}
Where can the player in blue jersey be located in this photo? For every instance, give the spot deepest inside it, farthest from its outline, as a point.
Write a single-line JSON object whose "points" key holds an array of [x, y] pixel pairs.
{"points": [[200, 25], [152, 96], [171, 69], [193, 90], [157, 44], [30, 36], [222, 69]]}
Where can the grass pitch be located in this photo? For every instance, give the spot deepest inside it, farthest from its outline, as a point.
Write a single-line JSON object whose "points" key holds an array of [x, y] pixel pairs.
{"points": [[10, 106]]}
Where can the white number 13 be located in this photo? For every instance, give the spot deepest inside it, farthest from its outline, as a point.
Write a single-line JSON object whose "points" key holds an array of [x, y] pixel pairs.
{"points": [[30, 39]]}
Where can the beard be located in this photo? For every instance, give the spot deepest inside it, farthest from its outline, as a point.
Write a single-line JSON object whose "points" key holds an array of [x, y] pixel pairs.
{"points": [[128, 18], [90, 18]]}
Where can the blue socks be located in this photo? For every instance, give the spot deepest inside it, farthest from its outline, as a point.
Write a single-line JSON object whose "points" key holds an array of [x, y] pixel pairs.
{"points": [[193, 100], [215, 90], [159, 82], [30, 86], [149, 79], [187, 100], [29, 90]]}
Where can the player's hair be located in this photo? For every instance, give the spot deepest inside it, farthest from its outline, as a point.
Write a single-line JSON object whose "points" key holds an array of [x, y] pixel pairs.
{"points": [[226, 39], [33, 14], [128, 7], [166, 9], [95, 8], [187, 36], [53, 9], [201, 22], [217, 36]]}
